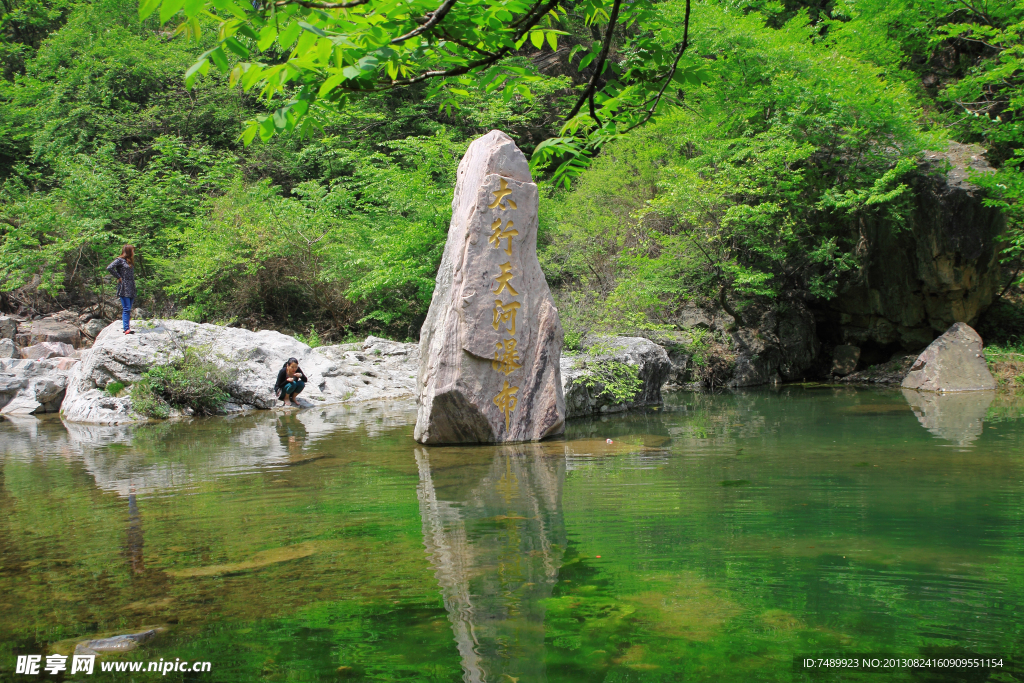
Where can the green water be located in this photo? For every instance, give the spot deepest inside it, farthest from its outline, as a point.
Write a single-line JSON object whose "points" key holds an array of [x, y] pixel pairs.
{"points": [[713, 540]]}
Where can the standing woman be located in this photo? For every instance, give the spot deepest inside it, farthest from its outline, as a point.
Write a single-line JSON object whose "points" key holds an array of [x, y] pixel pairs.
{"points": [[123, 268]]}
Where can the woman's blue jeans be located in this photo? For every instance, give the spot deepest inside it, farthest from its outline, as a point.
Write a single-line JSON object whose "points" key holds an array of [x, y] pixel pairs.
{"points": [[126, 310], [293, 388]]}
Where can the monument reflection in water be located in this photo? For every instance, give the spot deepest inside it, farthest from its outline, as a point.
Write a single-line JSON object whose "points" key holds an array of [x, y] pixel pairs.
{"points": [[494, 530]]}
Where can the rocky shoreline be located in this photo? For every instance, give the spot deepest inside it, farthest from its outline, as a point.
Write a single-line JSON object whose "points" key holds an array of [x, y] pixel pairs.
{"points": [[76, 384]]}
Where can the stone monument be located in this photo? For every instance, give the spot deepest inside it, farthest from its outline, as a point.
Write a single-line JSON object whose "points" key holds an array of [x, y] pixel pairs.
{"points": [[491, 344]]}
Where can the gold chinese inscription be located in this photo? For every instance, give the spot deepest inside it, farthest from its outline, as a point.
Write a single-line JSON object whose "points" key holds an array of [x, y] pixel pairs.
{"points": [[503, 280], [506, 358], [505, 313], [506, 402], [499, 234], [502, 193], [506, 355]]}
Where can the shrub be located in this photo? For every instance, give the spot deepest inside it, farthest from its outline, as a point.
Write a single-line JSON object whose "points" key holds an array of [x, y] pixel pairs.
{"points": [[312, 340], [573, 341], [115, 387], [189, 382], [616, 380], [1007, 364]]}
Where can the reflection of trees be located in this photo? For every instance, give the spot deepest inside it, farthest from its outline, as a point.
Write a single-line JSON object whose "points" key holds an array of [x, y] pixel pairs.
{"points": [[496, 545]]}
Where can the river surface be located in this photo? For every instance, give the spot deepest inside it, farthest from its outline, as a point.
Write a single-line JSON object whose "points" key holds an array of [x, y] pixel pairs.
{"points": [[716, 539]]}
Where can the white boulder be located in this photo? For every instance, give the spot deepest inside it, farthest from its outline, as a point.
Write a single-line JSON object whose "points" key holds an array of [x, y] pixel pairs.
{"points": [[376, 368], [33, 386]]}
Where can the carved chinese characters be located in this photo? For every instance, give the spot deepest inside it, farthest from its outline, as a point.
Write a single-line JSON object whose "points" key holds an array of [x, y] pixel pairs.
{"points": [[491, 341]]}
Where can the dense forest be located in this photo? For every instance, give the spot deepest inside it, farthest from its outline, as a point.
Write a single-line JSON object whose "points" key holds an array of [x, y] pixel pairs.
{"points": [[786, 122]]}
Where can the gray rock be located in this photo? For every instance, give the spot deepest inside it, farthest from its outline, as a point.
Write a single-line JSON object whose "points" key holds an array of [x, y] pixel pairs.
{"points": [[694, 317], [50, 330], [844, 359], [490, 346], [8, 327], [892, 371], [33, 386], [21, 405], [8, 349], [775, 343], [679, 363], [953, 362], [585, 393], [337, 374], [48, 349], [957, 417], [93, 327]]}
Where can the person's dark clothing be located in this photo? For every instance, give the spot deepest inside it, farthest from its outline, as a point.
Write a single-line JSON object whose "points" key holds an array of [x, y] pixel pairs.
{"points": [[119, 268], [295, 387], [281, 388]]}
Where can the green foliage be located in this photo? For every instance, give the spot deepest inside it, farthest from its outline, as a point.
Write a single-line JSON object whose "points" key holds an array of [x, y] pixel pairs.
{"points": [[312, 340], [101, 144], [114, 388], [359, 250], [966, 59], [573, 342], [754, 189], [617, 380], [782, 127], [147, 402], [1006, 363], [308, 58], [189, 382]]}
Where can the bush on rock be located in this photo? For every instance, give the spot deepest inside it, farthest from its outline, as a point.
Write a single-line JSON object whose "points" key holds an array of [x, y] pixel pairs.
{"points": [[190, 383]]}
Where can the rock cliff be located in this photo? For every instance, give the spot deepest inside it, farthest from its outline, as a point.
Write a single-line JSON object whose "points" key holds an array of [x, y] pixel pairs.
{"points": [[918, 279]]}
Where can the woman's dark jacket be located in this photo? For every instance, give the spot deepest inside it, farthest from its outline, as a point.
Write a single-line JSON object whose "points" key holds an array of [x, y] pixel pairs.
{"points": [[119, 268], [282, 379]]}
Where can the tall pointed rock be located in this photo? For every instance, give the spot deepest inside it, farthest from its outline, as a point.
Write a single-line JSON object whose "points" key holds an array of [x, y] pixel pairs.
{"points": [[491, 344]]}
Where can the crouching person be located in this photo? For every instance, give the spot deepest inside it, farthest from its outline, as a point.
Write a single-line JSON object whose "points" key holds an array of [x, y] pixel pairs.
{"points": [[290, 382]]}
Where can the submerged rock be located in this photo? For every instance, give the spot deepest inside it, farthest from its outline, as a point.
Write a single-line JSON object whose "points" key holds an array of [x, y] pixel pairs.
{"points": [[585, 377], [892, 371], [121, 643], [376, 368], [490, 346], [953, 362]]}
